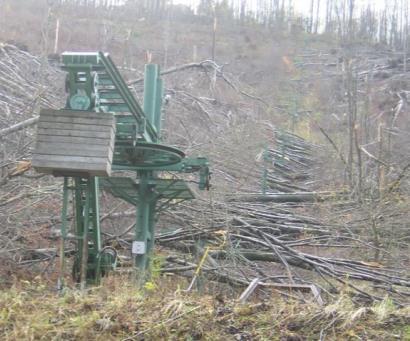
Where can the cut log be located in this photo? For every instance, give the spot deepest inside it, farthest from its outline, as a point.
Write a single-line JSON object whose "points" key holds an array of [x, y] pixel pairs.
{"points": [[19, 126], [287, 197]]}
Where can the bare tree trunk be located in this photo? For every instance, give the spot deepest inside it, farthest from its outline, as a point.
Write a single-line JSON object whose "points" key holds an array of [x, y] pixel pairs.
{"points": [[340, 21], [328, 15], [380, 167], [18, 126], [351, 13], [57, 36], [357, 141], [357, 136], [350, 121], [214, 33], [312, 5], [242, 11], [405, 35], [317, 17], [45, 34]]}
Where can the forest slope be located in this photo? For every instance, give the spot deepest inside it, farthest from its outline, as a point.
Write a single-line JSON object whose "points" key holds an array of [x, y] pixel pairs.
{"points": [[301, 115]]}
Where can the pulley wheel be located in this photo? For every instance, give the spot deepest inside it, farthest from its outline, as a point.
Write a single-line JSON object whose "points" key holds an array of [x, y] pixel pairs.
{"points": [[146, 155]]}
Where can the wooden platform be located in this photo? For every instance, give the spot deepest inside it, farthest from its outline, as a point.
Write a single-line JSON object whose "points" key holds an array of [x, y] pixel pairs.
{"points": [[74, 143]]}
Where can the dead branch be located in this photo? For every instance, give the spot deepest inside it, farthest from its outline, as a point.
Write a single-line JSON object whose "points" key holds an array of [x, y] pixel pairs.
{"points": [[21, 125]]}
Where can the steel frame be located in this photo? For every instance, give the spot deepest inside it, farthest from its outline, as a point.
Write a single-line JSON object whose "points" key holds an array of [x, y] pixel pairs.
{"points": [[94, 75]]}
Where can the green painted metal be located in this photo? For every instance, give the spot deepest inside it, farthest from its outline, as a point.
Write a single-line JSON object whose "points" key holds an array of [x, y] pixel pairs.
{"points": [[144, 156], [139, 249], [94, 83], [161, 189], [86, 267], [158, 106], [64, 222], [150, 90], [145, 128]]}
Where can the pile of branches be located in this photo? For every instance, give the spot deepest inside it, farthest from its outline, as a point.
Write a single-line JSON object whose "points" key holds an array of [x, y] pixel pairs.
{"points": [[282, 226], [27, 82], [275, 236], [289, 163], [278, 237], [368, 87]]}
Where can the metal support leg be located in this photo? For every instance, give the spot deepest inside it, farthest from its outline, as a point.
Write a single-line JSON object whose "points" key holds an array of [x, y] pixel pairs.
{"points": [[64, 214], [94, 244], [83, 234], [87, 267], [151, 239], [139, 248]]}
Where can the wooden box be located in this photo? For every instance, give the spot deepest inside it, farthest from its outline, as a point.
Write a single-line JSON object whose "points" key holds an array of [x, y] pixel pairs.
{"points": [[74, 143]]}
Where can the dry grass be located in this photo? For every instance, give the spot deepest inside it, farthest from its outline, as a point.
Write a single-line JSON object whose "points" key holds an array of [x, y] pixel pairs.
{"points": [[117, 311]]}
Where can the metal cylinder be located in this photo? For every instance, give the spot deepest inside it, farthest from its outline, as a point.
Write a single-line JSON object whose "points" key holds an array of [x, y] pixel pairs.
{"points": [[150, 88]]}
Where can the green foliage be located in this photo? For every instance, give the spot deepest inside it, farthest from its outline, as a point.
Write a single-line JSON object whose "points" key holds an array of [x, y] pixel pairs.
{"points": [[384, 309], [406, 333], [157, 263]]}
